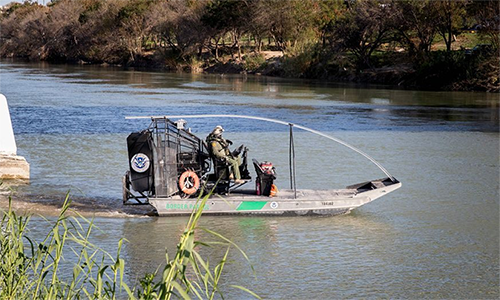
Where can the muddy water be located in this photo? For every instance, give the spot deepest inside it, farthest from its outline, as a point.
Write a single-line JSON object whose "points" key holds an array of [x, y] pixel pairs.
{"points": [[437, 237]]}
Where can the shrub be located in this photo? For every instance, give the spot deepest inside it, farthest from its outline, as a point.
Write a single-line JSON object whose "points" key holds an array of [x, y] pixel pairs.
{"points": [[442, 69], [253, 62]]}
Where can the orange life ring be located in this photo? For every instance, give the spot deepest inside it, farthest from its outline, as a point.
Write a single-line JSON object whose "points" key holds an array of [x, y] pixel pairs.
{"points": [[189, 182]]}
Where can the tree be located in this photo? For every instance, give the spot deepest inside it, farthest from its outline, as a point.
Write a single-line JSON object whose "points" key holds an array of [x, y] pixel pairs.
{"points": [[329, 13], [134, 26], [486, 14], [98, 34], [63, 22], [415, 23], [177, 24], [257, 23], [363, 29], [449, 18], [291, 22], [23, 32], [228, 16]]}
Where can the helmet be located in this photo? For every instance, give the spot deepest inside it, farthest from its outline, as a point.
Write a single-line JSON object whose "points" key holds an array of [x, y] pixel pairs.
{"points": [[218, 130]]}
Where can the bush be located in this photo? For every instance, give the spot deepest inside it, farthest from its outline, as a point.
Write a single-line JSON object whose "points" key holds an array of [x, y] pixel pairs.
{"points": [[441, 69], [299, 64], [254, 62]]}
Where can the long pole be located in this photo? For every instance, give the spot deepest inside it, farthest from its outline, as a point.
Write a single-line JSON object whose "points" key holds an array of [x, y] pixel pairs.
{"points": [[292, 157]]}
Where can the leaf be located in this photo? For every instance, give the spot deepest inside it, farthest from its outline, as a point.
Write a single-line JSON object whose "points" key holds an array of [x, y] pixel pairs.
{"points": [[180, 289], [246, 290]]}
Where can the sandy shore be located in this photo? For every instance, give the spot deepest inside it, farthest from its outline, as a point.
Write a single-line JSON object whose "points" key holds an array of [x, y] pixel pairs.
{"points": [[89, 207]]}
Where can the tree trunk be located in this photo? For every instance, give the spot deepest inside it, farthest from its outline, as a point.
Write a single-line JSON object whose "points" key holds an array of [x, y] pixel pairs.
{"points": [[237, 37], [216, 40], [448, 45]]}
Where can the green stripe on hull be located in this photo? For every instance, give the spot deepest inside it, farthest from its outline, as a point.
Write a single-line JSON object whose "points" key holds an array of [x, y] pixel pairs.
{"points": [[251, 205]]}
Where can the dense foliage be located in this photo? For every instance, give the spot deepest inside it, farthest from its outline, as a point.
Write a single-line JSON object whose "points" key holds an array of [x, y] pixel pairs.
{"points": [[335, 39]]}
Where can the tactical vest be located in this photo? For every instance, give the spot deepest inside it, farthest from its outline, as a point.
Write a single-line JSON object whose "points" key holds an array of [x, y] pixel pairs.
{"points": [[212, 138]]}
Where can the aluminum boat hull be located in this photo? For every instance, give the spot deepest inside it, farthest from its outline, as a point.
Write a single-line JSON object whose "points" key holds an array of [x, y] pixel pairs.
{"points": [[287, 202]]}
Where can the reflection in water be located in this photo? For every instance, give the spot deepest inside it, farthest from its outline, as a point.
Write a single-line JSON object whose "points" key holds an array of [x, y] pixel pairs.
{"points": [[436, 237], [277, 248]]}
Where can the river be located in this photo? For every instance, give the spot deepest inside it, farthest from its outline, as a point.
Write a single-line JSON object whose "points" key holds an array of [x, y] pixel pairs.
{"points": [[436, 237]]}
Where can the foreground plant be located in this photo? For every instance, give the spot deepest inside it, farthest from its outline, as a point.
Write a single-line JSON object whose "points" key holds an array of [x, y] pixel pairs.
{"points": [[31, 269], [175, 281]]}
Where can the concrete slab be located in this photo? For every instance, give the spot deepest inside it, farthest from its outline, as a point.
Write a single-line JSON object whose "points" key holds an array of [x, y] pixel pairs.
{"points": [[14, 167]]}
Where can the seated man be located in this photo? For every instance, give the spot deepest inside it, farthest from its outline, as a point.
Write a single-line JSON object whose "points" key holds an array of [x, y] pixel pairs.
{"points": [[219, 147]]}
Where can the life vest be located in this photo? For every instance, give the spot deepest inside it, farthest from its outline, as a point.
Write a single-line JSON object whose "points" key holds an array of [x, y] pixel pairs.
{"points": [[274, 191], [217, 139]]}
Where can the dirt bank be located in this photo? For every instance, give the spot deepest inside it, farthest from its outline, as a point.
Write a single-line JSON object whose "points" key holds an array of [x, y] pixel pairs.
{"points": [[89, 207]]}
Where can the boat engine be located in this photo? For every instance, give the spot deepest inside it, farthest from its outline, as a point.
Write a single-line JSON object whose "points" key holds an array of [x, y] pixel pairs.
{"points": [[140, 155]]}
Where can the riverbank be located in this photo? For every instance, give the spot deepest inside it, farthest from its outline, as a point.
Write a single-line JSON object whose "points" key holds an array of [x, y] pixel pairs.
{"points": [[455, 71], [51, 206], [436, 45]]}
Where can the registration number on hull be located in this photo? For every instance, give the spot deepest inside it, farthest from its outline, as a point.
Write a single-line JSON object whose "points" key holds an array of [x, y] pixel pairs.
{"points": [[184, 206]]}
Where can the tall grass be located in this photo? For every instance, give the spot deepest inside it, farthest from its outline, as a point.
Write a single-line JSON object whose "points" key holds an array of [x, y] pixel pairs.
{"points": [[31, 269]]}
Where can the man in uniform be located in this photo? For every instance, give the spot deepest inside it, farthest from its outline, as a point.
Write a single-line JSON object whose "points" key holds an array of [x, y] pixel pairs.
{"points": [[219, 147]]}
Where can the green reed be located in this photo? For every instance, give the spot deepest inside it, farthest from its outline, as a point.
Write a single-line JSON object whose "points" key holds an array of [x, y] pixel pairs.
{"points": [[31, 269]]}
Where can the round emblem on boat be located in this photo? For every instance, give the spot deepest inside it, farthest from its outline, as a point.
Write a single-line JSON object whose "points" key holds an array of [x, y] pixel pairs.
{"points": [[274, 205], [140, 162]]}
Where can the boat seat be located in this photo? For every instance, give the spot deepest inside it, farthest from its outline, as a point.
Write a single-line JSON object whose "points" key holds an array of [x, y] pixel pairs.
{"points": [[221, 175], [264, 180], [260, 172], [257, 167], [222, 172], [221, 169], [378, 184]]}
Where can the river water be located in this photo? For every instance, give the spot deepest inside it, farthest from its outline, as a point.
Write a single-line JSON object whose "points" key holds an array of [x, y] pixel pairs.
{"points": [[436, 237]]}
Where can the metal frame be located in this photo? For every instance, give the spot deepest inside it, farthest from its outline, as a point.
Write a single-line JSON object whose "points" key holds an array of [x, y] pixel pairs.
{"points": [[170, 135], [282, 123], [171, 131]]}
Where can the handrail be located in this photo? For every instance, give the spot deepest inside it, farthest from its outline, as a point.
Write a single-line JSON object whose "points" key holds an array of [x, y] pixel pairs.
{"points": [[277, 122]]}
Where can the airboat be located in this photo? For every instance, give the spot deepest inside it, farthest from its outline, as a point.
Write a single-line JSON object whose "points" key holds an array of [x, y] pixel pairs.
{"points": [[171, 169]]}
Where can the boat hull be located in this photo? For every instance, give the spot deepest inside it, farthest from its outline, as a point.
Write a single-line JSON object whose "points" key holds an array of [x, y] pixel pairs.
{"points": [[287, 202]]}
